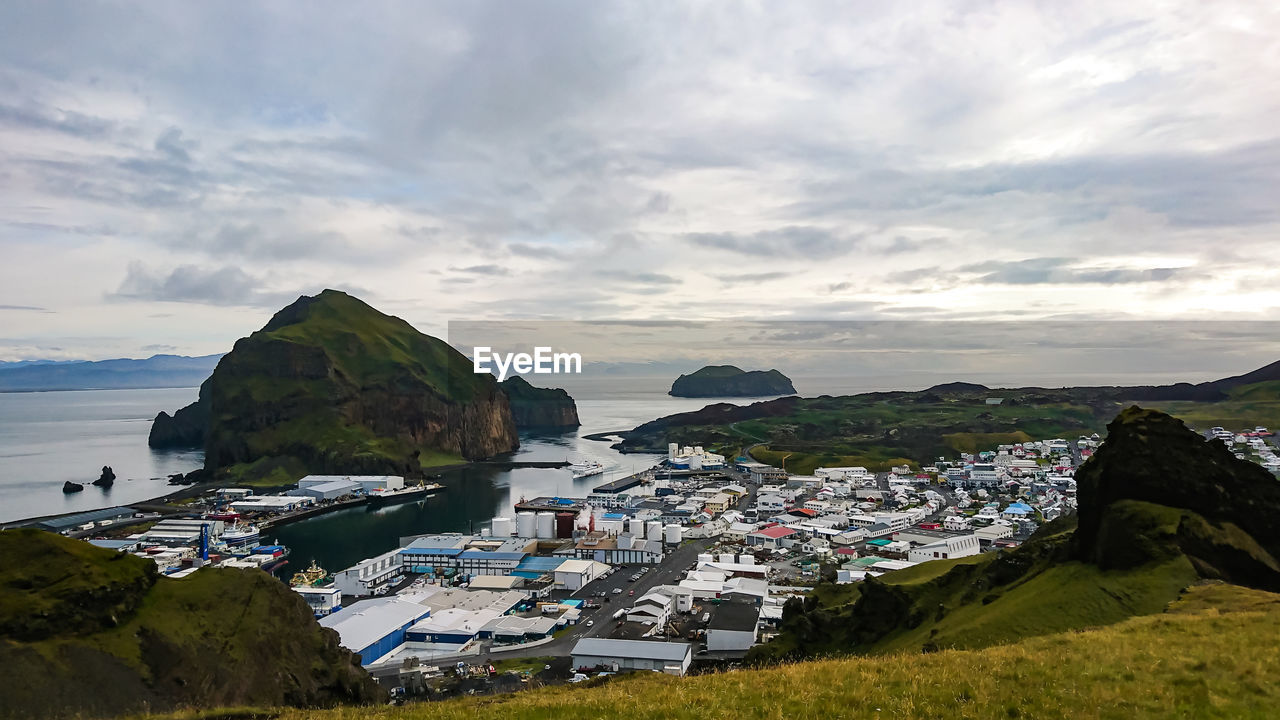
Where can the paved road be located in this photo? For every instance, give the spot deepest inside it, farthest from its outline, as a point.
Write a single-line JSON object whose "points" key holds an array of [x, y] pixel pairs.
{"points": [[670, 572]]}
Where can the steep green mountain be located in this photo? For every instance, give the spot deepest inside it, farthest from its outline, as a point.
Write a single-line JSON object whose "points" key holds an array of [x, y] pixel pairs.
{"points": [[1160, 509], [535, 407], [331, 385], [91, 632], [730, 381]]}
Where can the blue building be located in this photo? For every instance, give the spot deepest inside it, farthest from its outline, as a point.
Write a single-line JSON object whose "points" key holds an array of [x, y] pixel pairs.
{"points": [[374, 628]]}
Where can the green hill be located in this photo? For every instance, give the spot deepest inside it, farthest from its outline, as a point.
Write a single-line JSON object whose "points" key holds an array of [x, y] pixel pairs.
{"points": [[731, 381], [91, 632], [331, 385]]}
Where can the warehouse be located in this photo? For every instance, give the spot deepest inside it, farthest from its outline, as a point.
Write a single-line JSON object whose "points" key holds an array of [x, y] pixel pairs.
{"points": [[733, 626], [375, 627], [672, 658], [573, 575], [327, 490]]}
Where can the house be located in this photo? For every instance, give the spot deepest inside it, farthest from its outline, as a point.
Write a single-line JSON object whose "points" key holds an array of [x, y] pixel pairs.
{"points": [[717, 503], [952, 547], [672, 658], [776, 536], [733, 626]]}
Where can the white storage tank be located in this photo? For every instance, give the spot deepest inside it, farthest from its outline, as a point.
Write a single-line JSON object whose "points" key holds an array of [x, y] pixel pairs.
{"points": [[527, 522], [746, 559], [611, 527], [655, 530], [501, 527], [546, 525], [672, 534], [706, 558], [526, 525], [624, 541], [726, 557]]}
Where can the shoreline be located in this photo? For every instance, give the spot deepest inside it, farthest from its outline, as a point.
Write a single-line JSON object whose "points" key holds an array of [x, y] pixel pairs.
{"points": [[162, 503]]}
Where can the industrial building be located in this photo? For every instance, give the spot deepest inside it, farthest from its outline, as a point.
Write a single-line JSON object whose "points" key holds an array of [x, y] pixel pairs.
{"points": [[369, 577], [375, 628], [572, 575], [672, 658], [323, 600], [733, 626]]}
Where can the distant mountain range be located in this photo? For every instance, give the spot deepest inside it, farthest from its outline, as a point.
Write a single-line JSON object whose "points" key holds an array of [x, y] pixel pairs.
{"points": [[157, 371]]}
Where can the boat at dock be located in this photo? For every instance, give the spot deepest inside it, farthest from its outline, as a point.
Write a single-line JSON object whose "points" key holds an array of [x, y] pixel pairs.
{"points": [[311, 577], [238, 536]]}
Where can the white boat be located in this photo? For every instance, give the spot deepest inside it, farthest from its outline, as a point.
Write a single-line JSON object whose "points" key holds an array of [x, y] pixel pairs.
{"points": [[240, 535], [586, 468]]}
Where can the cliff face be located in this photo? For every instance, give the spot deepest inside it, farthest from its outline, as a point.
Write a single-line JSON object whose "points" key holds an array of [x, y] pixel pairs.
{"points": [[186, 428], [91, 632], [1231, 527], [331, 385], [730, 381], [535, 407]]}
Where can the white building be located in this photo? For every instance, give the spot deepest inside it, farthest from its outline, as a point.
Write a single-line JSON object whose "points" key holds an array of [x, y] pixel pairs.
{"points": [[733, 626], [572, 575], [672, 658], [370, 577], [953, 547]]}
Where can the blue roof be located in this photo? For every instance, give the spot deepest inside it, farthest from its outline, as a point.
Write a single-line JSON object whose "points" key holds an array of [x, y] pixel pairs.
{"points": [[615, 516], [540, 564]]}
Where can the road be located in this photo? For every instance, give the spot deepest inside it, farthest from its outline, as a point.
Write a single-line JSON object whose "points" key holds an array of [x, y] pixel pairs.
{"points": [[670, 572]]}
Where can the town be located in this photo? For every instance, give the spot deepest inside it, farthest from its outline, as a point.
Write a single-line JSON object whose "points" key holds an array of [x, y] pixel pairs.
{"points": [[685, 565]]}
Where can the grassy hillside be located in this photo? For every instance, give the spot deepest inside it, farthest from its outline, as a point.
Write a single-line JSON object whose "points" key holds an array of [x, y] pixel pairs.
{"points": [[331, 385], [90, 632], [1246, 406], [1211, 656]]}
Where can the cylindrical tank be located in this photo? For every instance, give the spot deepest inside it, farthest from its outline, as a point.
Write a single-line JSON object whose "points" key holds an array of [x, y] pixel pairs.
{"points": [[706, 558], [637, 527], [624, 541], [501, 527], [655, 530], [611, 526], [746, 559], [546, 525], [564, 524], [672, 534], [726, 557], [526, 525]]}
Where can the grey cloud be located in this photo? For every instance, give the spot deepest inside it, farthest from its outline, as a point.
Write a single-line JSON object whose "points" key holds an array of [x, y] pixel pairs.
{"points": [[488, 269], [1038, 271], [56, 120], [172, 145], [220, 286], [794, 241], [752, 277], [642, 278], [25, 308], [538, 252]]}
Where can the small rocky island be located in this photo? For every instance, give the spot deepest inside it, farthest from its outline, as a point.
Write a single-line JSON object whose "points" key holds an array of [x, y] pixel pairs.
{"points": [[731, 381], [535, 407]]}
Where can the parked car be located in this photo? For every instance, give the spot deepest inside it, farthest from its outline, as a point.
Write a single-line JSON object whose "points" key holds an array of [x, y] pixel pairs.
{"points": [[617, 591]]}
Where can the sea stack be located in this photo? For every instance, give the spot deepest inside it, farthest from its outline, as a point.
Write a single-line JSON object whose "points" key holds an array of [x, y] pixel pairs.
{"points": [[69, 487], [107, 478]]}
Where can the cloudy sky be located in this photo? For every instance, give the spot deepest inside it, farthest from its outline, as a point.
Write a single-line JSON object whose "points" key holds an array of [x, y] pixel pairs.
{"points": [[171, 173]]}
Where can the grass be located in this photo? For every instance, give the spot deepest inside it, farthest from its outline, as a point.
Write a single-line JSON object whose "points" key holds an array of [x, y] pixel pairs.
{"points": [[972, 442], [804, 463], [1213, 657]]}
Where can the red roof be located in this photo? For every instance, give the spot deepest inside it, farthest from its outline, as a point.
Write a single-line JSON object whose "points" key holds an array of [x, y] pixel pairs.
{"points": [[846, 551], [775, 532], [804, 511]]}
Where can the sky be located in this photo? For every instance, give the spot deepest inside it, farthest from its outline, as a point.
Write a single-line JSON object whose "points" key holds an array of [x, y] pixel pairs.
{"points": [[173, 173]]}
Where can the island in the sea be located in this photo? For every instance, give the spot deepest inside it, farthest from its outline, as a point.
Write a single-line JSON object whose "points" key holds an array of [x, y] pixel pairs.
{"points": [[331, 385], [731, 381]]}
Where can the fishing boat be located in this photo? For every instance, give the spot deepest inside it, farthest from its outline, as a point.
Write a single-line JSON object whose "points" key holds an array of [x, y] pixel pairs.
{"points": [[312, 576]]}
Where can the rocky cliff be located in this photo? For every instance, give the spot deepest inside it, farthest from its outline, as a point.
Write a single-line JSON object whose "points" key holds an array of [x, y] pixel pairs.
{"points": [[331, 385], [88, 632], [730, 381], [535, 407]]}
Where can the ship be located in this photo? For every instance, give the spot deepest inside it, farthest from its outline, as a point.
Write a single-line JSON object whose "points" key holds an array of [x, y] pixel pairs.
{"points": [[585, 468], [311, 577], [238, 535]]}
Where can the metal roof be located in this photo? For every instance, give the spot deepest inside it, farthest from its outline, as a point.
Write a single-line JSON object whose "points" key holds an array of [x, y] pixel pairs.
{"points": [[367, 622], [62, 523], [645, 649]]}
